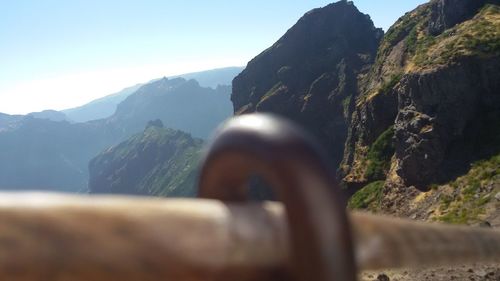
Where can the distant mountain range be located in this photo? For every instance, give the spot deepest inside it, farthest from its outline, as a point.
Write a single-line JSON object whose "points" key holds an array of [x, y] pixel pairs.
{"points": [[39, 153], [48, 155], [106, 106]]}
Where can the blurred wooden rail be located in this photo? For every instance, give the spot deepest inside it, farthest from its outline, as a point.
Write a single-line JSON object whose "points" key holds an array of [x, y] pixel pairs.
{"points": [[93, 238]]}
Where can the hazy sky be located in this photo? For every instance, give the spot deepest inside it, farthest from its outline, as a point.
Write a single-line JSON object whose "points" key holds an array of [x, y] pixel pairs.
{"points": [[60, 54]]}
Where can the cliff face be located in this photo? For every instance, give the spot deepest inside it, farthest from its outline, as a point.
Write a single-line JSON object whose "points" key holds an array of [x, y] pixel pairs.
{"points": [[424, 139], [415, 116], [310, 74], [157, 161], [434, 88]]}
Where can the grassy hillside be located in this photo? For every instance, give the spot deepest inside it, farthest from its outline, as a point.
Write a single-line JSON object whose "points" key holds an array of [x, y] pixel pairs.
{"points": [[157, 161]]}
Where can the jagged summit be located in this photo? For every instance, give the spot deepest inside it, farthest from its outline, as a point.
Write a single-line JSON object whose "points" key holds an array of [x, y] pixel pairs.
{"points": [[310, 73], [155, 124], [313, 46]]}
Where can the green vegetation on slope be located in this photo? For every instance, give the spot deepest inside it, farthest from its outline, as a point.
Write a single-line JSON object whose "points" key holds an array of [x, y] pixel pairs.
{"points": [[479, 36], [379, 156], [405, 27], [389, 67], [471, 193], [389, 84], [178, 179], [368, 197], [158, 161]]}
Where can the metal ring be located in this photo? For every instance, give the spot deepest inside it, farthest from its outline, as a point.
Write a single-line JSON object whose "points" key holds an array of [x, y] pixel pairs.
{"points": [[293, 165]]}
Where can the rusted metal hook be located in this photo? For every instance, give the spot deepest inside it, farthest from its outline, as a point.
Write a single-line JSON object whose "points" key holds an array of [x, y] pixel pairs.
{"points": [[291, 162]]}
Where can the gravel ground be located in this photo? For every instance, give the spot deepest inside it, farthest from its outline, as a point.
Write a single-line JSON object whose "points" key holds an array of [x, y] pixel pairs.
{"points": [[473, 272]]}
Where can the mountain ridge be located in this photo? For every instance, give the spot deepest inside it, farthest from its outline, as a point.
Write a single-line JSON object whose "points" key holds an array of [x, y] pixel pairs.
{"points": [[105, 106]]}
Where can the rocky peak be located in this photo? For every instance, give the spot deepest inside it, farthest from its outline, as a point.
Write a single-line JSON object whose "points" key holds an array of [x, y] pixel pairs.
{"points": [[49, 114], [154, 124], [310, 73]]}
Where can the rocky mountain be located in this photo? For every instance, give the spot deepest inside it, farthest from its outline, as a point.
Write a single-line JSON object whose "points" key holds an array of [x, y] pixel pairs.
{"points": [[310, 73], [44, 154], [106, 106], [403, 115], [181, 104], [157, 161], [434, 87], [428, 110]]}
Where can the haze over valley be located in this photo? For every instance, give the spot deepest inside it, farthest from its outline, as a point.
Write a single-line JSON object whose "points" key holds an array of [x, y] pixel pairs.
{"points": [[49, 150]]}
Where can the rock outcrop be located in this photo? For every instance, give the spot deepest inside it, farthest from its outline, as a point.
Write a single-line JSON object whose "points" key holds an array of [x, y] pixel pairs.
{"points": [[436, 83], [50, 115]]}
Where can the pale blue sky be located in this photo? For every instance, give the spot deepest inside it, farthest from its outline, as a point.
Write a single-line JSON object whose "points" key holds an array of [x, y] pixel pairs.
{"points": [[59, 54]]}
